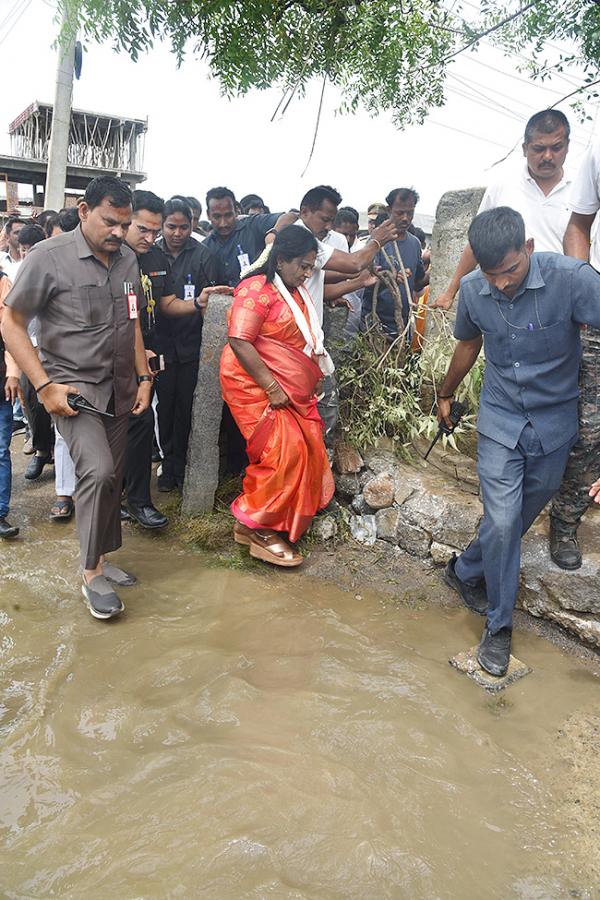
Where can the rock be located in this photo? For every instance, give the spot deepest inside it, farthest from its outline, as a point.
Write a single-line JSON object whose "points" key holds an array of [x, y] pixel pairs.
{"points": [[570, 599], [202, 469], [347, 486], [381, 461], [466, 662], [387, 521], [379, 491], [363, 529], [324, 528], [441, 553], [450, 517], [360, 506], [413, 539], [347, 459]]}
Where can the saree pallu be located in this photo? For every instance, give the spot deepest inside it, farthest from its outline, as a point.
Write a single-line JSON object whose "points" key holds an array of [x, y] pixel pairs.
{"points": [[288, 478]]}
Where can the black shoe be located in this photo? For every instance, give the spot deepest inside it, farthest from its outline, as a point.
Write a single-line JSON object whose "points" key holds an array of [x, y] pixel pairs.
{"points": [[166, 483], [101, 600], [147, 516], [493, 653], [564, 549], [7, 530], [36, 467], [19, 426], [156, 457], [474, 596], [125, 517]]}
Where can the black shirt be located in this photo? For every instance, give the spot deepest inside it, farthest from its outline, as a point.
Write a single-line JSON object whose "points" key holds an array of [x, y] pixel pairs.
{"points": [[248, 237], [157, 269], [179, 337]]}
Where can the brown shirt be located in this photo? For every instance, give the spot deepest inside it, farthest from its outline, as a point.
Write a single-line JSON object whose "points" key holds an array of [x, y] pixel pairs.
{"points": [[85, 336]]}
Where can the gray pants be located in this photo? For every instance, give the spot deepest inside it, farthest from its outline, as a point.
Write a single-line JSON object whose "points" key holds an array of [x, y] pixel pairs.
{"points": [[97, 448]]}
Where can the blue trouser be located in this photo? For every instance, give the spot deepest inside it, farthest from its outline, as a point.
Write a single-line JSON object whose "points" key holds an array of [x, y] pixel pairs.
{"points": [[6, 424], [515, 487]]}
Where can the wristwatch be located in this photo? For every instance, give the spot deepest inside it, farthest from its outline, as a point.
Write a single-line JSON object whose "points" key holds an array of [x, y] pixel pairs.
{"points": [[141, 378]]}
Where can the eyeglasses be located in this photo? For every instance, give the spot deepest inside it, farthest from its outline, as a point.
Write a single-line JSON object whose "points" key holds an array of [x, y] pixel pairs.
{"points": [[154, 232]]}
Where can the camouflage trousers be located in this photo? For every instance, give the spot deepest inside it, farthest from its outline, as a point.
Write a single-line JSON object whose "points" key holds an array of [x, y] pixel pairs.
{"points": [[583, 467], [328, 407]]}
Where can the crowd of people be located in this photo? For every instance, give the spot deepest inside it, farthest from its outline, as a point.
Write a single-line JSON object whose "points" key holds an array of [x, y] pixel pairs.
{"points": [[102, 309]]}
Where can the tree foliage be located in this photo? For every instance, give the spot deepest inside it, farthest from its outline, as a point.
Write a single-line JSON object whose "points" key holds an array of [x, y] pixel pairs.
{"points": [[382, 55]]}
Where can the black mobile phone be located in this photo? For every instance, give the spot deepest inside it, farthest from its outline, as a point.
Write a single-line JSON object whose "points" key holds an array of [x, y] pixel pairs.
{"points": [[156, 363]]}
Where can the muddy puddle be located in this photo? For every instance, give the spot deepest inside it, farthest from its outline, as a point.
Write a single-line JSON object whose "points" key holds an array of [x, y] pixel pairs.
{"points": [[242, 736]]}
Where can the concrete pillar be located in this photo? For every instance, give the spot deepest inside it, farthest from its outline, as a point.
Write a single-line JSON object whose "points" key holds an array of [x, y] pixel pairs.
{"points": [[202, 469], [454, 214]]}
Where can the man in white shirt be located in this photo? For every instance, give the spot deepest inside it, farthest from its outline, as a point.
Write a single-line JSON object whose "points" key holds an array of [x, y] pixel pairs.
{"points": [[318, 210], [572, 500], [539, 190], [11, 259]]}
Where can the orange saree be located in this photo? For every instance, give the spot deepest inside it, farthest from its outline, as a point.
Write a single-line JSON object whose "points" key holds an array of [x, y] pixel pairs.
{"points": [[288, 478]]}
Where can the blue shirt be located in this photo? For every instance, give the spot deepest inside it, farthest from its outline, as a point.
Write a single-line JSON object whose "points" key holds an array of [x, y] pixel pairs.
{"points": [[532, 347], [409, 250], [247, 237]]}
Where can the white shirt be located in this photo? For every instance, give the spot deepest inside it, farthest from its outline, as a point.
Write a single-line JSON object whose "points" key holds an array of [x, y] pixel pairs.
{"points": [[546, 217], [9, 265], [316, 283], [585, 195]]}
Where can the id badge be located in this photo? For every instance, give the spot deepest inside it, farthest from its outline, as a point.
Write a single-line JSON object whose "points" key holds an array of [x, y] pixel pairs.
{"points": [[132, 309], [244, 261], [189, 292]]}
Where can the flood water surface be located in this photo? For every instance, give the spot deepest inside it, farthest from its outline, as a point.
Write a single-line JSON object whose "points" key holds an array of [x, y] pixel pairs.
{"points": [[246, 736]]}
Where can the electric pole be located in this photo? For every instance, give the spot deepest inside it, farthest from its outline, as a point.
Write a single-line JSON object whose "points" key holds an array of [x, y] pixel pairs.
{"points": [[54, 197]]}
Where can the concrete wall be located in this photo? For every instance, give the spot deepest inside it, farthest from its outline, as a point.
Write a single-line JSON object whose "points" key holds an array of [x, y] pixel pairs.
{"points": [[202, 469]]}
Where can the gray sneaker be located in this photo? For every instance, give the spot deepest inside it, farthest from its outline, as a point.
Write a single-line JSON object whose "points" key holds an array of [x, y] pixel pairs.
{"points": [[118, 576], [101, 600]]}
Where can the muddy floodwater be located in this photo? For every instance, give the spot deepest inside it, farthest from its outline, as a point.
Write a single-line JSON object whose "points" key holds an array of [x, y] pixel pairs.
{"points": [[237, 735]]}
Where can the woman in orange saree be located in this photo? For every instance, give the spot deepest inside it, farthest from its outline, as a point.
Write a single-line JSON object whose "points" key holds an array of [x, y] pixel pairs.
{"points": [[270, 370]]}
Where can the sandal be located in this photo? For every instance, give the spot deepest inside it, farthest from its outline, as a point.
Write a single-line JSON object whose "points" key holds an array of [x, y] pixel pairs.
{"points": [[62, 510], [267, 545]]}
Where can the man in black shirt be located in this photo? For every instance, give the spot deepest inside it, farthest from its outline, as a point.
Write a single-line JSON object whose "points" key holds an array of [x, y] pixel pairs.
{"points": [[179, 335], [146, 224], [238, 241]]}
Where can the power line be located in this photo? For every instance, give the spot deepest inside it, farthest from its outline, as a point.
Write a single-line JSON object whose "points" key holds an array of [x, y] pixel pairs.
{"points": [[23, 10], [477, 137], [10, 14]]}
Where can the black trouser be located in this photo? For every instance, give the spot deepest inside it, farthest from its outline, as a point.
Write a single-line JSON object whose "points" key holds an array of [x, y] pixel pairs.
{"points": [[138, 458], [40, 423], [176, 386]]}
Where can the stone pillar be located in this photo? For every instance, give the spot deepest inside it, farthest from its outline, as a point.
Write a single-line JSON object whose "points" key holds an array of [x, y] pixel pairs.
{"points": [[453, 216], [202, 469]]}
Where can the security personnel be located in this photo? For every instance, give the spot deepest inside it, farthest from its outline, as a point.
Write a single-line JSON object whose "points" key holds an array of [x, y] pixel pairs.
{"points": [[155, 276], [84, 287], [526, 309]]}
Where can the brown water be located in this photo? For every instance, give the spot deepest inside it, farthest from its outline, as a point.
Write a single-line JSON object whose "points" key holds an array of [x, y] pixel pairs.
{"points": [[243, 736]]}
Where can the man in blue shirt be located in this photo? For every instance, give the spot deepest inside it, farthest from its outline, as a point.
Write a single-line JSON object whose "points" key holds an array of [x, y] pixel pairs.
{"points": [[526, 309], [403, 253], [236, 242]]}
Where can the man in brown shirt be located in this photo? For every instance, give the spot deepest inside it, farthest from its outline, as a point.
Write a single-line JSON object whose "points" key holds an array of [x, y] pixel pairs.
{"points": [[83, 287]]}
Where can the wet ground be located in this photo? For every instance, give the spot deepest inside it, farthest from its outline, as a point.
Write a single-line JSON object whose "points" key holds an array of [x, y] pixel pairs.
{"points": [[259, 734]]}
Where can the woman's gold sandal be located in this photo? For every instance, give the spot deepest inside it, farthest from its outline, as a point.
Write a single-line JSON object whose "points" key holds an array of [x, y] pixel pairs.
{"points": [[267, 546]]}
